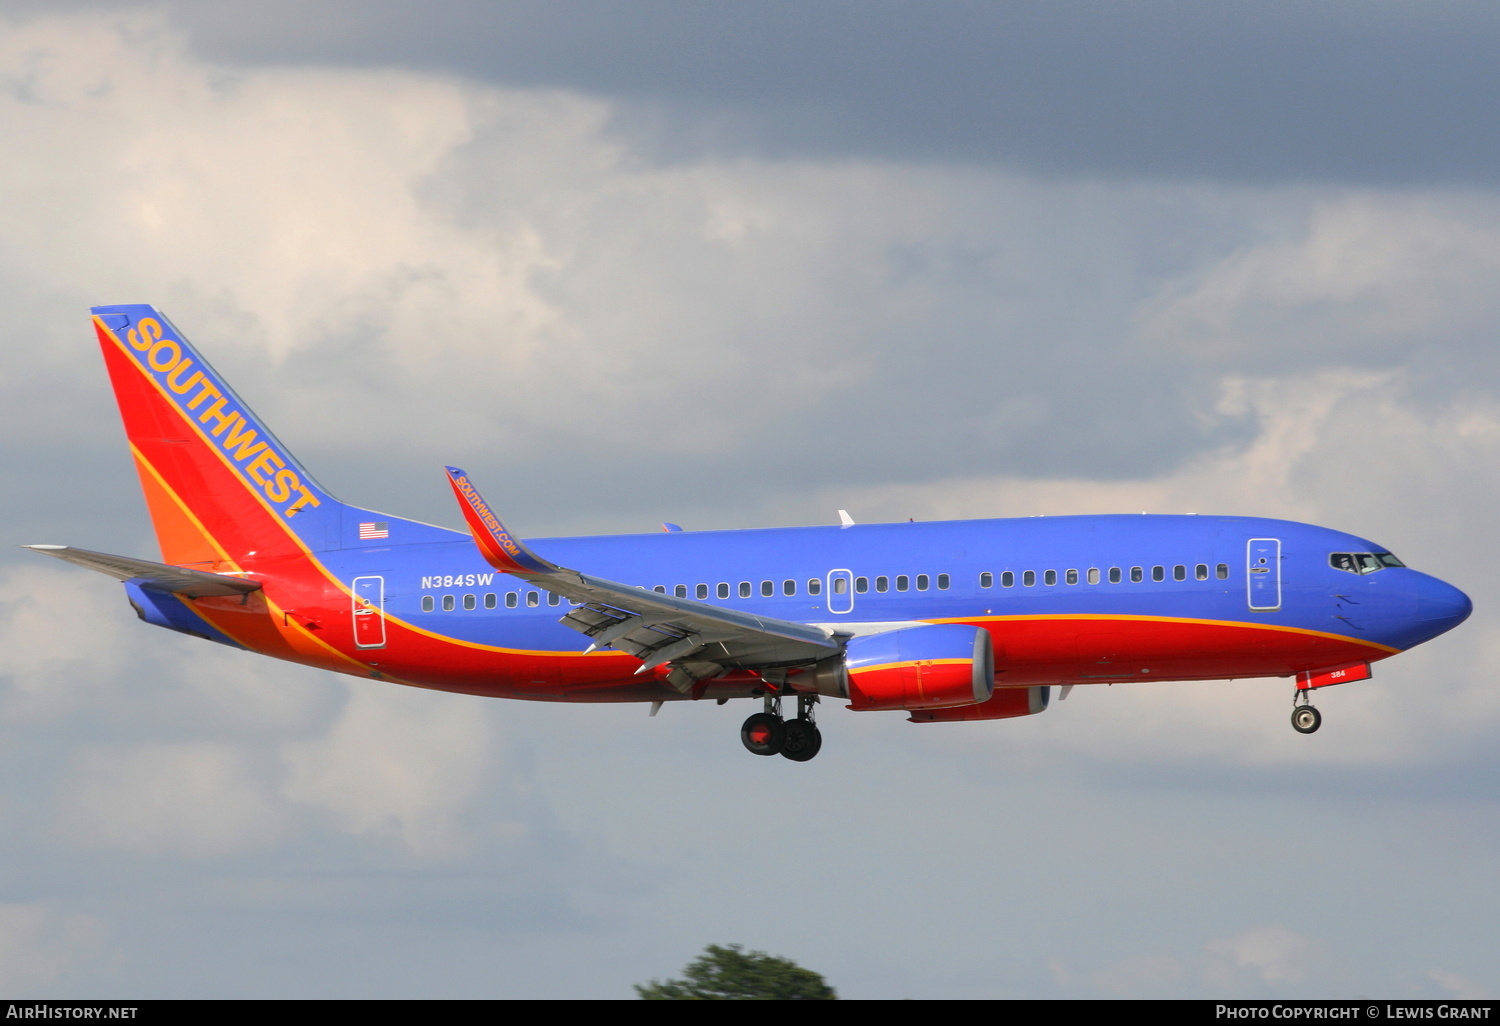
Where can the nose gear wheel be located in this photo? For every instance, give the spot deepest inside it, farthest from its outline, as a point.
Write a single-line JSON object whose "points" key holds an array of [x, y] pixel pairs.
{"points": [[1306, 719]]}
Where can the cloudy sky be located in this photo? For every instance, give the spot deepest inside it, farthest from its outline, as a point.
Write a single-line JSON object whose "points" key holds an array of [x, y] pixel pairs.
{"points": [[737, 266]]}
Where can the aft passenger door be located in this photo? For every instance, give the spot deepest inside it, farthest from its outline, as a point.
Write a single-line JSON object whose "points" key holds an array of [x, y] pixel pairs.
{"points": [[369, 612], [1263, 573]]}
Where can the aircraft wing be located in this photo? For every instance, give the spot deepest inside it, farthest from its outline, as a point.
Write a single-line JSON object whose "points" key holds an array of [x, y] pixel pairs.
{"points": [[698, 640], [182, 581]]}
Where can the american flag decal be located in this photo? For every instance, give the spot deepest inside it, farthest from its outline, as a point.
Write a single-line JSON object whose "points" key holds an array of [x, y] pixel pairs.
{"points": [[369, 532]]}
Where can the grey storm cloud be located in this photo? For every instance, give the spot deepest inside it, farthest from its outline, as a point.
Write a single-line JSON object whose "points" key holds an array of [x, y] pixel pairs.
{"points": [[1374, 92]]}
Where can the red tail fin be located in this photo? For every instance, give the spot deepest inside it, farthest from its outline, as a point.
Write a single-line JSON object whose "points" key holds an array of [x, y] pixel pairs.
{"points": [[219, 485]]}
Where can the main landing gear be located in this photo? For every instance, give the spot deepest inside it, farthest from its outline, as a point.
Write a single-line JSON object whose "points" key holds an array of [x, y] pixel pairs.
{"points": [[1305, 719], [766, 733]]}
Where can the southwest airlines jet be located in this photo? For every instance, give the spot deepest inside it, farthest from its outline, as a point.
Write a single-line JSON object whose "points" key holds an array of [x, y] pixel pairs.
{"points": [[967, 620]]}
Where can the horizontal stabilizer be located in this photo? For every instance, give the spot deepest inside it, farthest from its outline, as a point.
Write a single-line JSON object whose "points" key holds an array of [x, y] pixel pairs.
{"points": [[176, 579]]}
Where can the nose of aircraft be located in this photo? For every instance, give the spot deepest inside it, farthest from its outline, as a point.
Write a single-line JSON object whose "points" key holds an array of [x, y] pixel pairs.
{"points": [[1441, 606]]}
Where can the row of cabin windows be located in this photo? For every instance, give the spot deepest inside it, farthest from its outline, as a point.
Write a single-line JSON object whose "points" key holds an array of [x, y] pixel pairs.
{"points": [[746, 589], [1093, 575], [840, 585], [883, 584], [491, 601]]}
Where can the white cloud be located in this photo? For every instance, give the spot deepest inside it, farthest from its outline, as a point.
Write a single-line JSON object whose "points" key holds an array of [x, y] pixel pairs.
{"points": [[399, 763], [196, 799], [1362, 271], [1457, 986], [1273, 953], [38, 944], [48, 666], [1139, 976], [415, 223]]}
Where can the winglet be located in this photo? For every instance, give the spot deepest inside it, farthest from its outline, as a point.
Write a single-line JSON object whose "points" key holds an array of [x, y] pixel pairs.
{"points": [[498, 546]]}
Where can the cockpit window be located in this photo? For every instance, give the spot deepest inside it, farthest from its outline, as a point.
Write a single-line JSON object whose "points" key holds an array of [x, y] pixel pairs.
{"points": [[1362, 562]]}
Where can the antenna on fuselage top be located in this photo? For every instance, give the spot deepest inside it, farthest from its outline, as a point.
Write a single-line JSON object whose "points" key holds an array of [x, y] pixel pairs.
{"points": [[845, 520]]}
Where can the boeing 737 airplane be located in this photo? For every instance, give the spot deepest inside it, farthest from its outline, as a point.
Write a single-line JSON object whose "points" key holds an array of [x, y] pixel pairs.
{"points": [[965, 620]]}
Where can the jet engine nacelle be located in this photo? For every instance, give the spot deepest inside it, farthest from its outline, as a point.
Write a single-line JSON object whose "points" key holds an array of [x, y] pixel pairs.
{"points": [[1004, 704], [935, 666]]}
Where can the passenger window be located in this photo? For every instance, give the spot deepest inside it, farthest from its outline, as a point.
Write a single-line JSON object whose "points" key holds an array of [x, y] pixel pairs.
{"points": [[1114, 575], [767, 589], [489, 600], [1072, 576], [1201, 571], [1223, 571], [1137, 575], [680, 591], [861, 584], [1093, 575], [1050, 578], [1179, 572], [789, 587], [1008, 579], [902, 582], [723, 590], [427, 603], [882, 584], [841, 586], [470, 602], [1158, 573], [943, 582], [744, 589], [701, 591], [511, 598], [553, 598], [814, 586], [533, 598], [1028, 578], [660, 589], [986, 580], [923, 582], [447, 603]]}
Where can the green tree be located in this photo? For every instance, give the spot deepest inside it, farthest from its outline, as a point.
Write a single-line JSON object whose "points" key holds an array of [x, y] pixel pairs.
{"points": [[734, 974]]}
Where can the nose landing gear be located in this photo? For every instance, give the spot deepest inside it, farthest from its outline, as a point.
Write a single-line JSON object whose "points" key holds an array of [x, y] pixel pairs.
{"points": [[766, 733], [1305, 719]]}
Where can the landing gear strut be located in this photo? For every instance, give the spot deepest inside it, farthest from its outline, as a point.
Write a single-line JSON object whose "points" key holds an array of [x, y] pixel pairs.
{"points": [[1305, 719], [766, 733]]}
